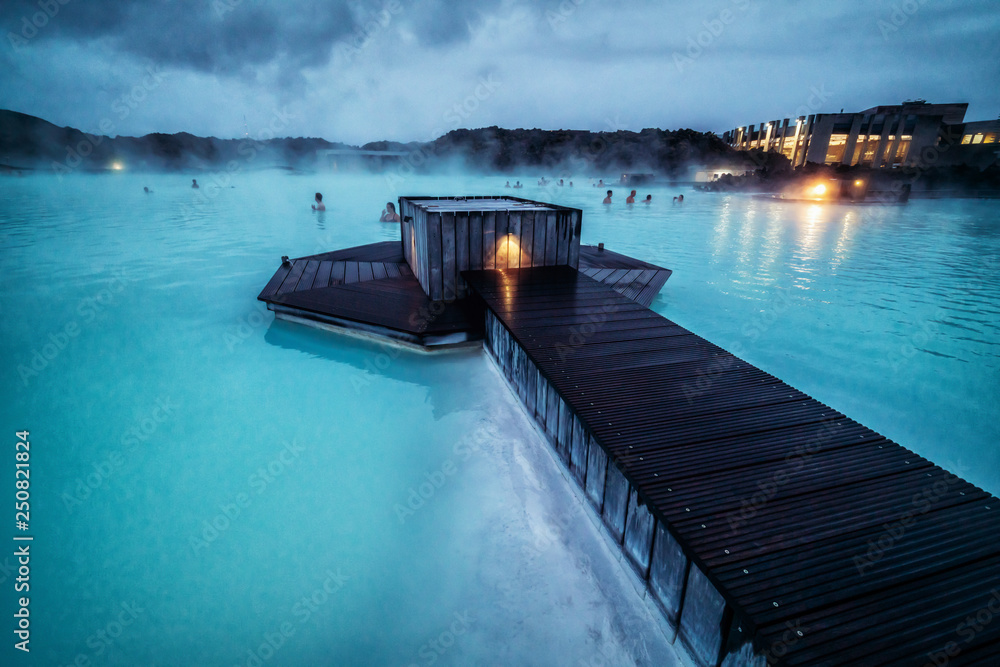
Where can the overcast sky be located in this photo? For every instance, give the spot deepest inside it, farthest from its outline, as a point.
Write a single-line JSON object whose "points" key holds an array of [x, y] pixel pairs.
{"points": [[359, 71]]}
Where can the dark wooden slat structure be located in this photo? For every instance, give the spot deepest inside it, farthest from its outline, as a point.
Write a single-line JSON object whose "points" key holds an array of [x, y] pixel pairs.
{"points": [[768, 527], [443, 236], [371, 289], [367, 289], [641, 281]]}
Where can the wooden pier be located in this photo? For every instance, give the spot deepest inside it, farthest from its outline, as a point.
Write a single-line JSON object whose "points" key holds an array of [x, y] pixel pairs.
{"points": [[372, 289], [768, 527]]}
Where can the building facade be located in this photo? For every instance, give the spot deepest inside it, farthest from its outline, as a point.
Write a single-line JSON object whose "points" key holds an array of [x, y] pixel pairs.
{"points": [[881, 137]]}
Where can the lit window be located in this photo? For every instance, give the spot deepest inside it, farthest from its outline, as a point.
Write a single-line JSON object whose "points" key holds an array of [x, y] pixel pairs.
{"points": [[967, 139], [787, 146], [835, 150], [990, 138], [904, 147], [978, 139], [869, 149], [859, 146]]}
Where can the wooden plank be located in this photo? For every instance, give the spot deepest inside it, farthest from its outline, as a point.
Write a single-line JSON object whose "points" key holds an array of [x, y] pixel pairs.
{"points": [[541, 397], [275, 282], [476, 240], [378, 271], [613, 277], [435, 258], [502, 221], [419, 268], [564, 233], [292, 279], [601, 274], [489, 240], [365, 272], [323, 275], [538, 239], [351, 272], [449, 255], [461, 251], [406, 229], [574, 249], [338, 273], [527, 238], [514, 240], [551, 240]]}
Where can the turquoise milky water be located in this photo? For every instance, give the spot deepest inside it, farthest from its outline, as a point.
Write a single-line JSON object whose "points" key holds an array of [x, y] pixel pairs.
{"points": [[212, 487]]}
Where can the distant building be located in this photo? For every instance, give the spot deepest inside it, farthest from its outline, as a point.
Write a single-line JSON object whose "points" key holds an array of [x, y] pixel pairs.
{"points": [[908, 134], [636, 179], [339, 158]]}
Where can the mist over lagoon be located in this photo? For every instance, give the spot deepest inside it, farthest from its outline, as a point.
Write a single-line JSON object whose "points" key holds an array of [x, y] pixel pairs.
{"points": [[789, 287], [408, 332]]}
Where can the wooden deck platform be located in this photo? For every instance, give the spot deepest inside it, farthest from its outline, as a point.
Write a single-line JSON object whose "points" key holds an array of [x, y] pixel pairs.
{"points": [[630, 277], [371, 288], [769, 528]]}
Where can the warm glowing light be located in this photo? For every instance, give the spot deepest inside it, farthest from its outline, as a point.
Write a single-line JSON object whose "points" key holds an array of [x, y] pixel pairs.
{"points": [[859, 183], [819, 190], [509, 252], [117, 166]]}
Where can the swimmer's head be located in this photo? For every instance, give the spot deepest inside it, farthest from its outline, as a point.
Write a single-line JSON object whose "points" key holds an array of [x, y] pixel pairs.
{"points": [[390, 206], [319, 196]]}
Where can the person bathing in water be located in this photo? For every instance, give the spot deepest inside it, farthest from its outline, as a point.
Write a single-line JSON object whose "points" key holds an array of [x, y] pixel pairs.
{"points": [[194, 183], [607, 200], [648, 199], [319, 205], [389, 214], [631, 198]]}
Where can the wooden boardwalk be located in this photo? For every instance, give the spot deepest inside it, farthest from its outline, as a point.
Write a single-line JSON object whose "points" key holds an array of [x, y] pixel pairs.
{"points": [[768, 527], [630, 277], [372, 288], [369, 288]]}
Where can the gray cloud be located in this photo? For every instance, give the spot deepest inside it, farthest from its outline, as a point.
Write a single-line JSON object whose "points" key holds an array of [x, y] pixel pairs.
{"points": [[362, 70], [222, 36]]}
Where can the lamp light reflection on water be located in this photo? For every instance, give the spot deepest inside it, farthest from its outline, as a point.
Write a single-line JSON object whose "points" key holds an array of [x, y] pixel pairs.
{"points": [[771, 248], [809, 244], [840, 250], [720, 239]]}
